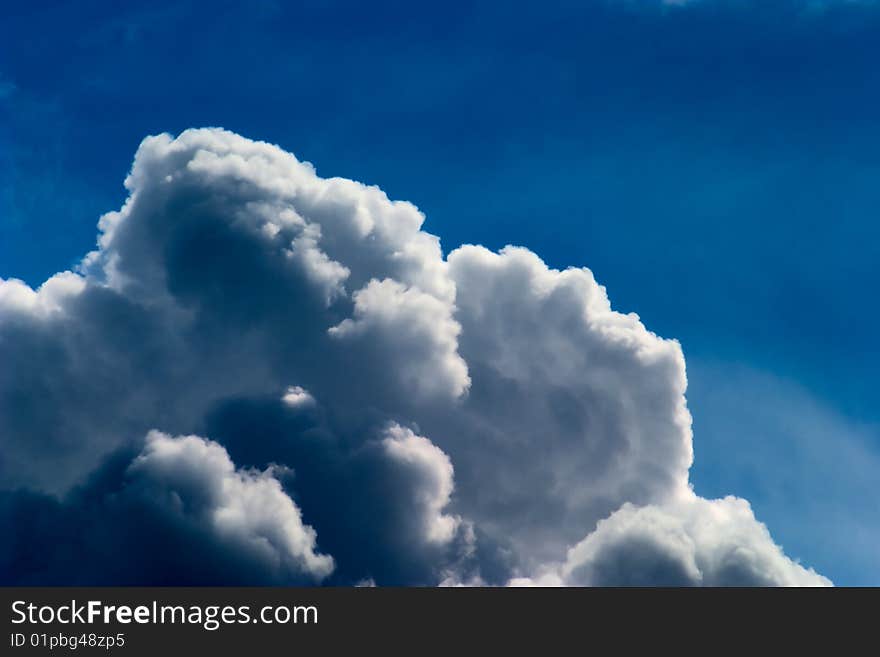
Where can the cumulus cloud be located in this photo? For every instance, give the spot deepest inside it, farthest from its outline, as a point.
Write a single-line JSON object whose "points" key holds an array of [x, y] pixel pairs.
{"points": [[368, 409], [417, 334], [695, 542], [433, 471], [179, 512], [577, 407], [195, 478]]}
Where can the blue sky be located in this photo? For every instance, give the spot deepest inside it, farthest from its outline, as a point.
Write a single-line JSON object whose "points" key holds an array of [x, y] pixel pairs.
{"points": [[714, 164]]}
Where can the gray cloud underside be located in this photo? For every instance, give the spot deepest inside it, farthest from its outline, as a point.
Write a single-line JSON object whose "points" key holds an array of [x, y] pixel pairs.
{"points": [[265, 376]]}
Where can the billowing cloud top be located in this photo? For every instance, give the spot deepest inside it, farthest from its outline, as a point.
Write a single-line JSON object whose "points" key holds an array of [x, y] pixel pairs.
{"points": [[265, 376]]}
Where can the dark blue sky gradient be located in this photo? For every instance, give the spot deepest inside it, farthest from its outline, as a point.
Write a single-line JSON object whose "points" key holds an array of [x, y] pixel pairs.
{"points": [[716, 165]]}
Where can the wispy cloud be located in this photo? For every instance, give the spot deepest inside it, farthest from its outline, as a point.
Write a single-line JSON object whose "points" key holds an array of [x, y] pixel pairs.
{"points": [[809, 469]]}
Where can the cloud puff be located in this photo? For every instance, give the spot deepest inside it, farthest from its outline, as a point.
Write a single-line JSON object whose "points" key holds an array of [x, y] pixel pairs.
{"points": [[695, 542], [379, 498], [179, 512], [193, 477], [417, 333], [433, 471], [577, 407], [366, 403]]}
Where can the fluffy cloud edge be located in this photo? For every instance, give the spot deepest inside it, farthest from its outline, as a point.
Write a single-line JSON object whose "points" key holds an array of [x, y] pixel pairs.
{"points": [[249, 509], [694, 542]]}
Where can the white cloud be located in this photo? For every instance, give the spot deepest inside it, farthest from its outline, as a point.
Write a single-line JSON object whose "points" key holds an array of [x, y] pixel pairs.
{"points": [[17, 297], [233, 271], [196, 479], [416, 333], [435, 474], [577, 407], [694, 542], [297, 396]]}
